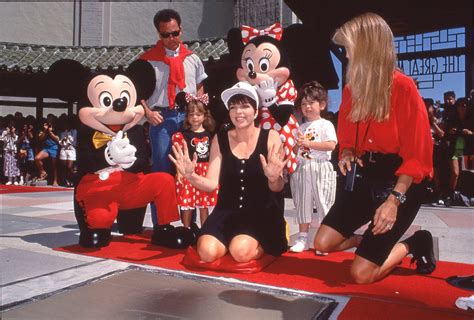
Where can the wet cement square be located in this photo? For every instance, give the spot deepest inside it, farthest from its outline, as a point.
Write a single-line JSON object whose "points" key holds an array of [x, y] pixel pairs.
{"points": [[139, 294]]}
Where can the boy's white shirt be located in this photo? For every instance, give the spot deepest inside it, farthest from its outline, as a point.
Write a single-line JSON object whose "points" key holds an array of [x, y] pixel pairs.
{"points": [[322, 130]]}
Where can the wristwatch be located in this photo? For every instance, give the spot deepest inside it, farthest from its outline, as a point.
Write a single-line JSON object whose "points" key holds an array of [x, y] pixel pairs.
{"points": [[399, 196]]}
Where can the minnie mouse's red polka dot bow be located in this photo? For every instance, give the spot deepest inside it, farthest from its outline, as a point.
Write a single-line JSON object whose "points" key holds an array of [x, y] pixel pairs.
{"points": [[274, 31], [203, 98]]}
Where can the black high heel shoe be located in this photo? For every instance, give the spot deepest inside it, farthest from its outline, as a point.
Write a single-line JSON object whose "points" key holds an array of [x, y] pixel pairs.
{"points": [[421, 247]]}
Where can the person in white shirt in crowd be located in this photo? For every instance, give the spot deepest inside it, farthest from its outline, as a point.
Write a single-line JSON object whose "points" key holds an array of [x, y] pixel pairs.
{"points": [[10, 150]]}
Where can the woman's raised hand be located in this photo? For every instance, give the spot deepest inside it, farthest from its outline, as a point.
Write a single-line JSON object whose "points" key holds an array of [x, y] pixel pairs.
{"points": [[184, 165], [275, 162]]}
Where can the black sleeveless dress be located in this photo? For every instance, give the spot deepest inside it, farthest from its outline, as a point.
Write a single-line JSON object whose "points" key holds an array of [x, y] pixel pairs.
{"points": [[245, 204]]}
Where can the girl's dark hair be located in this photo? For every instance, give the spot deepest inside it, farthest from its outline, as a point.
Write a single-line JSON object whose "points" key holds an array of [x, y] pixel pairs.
{"points": [[313, 91], [195, 105]]}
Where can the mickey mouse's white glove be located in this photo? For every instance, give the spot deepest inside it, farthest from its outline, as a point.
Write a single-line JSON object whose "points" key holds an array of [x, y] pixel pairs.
{"points": [[120, 152], [267, 90]]}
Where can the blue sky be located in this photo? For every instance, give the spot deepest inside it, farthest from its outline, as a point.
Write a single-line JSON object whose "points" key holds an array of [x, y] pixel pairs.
{"points": [[441, 39]]}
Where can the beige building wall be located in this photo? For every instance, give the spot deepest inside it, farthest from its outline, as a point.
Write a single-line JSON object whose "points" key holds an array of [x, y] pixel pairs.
{"points": [[200, 20], [107, 23], [47, 23]]}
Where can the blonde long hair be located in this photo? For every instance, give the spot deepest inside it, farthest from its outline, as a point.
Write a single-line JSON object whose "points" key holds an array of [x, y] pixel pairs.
{"points": [[372, 60]]}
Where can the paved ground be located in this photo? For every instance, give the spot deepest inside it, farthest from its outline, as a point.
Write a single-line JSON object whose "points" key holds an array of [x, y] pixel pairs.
{"points": [[32, 224]]}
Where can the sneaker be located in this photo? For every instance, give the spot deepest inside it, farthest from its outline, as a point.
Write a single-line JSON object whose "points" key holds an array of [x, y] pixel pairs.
{"points": [[15, 183], [423, 254], [320, 253], [301, 244], [448, 202], [465, 303], [463, 282], [8, 183]]}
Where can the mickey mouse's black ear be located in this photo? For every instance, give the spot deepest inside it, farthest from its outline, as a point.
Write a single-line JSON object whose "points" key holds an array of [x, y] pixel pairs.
{"points": [[67, 78], [180, 100], [142, 74], [234, 42]]}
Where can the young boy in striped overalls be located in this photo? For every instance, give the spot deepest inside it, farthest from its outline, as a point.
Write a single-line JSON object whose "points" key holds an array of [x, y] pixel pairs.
{"points": [[313, 184]]}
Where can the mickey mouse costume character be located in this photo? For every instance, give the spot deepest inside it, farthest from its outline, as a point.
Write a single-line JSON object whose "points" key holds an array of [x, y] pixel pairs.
{"points": [[111, 152], [264, 65]]}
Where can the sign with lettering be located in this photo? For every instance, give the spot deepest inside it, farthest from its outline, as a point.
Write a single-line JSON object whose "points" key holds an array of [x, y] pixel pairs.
{"points": [[427, 71], [432, 65]]}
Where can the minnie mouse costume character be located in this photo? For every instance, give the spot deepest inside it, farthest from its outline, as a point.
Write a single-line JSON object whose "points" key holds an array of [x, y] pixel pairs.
{"points": [[264, 65], [111, 151]]}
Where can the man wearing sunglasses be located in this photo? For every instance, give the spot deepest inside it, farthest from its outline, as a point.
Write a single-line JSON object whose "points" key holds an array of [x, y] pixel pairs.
{"points": [[177, 69]]}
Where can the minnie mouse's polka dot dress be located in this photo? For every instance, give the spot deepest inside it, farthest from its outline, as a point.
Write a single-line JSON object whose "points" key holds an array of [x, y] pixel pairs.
{"points": [[288, 133], [188, 196]]}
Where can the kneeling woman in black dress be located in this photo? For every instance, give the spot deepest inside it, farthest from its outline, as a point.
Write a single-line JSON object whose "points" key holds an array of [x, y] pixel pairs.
{"points": [[247, 162]]}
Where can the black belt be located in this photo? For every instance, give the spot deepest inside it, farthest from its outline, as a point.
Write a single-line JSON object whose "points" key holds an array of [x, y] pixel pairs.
{"points": [[380, 165], [176, 108], [374, 157], [158, 108]]}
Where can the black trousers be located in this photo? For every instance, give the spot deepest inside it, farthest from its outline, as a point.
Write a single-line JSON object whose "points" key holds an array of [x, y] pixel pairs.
{"points": [[373, 184]]}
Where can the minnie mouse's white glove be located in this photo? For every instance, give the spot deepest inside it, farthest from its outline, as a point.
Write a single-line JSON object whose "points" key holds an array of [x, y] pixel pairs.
{"points": [[120, 152], [267, 90]]}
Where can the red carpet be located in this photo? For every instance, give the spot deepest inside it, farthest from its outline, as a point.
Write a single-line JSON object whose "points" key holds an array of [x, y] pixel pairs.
{"points": [[402, 294], [22, 189]]}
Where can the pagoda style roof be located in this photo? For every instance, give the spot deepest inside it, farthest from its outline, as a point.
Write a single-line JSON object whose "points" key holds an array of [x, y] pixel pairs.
{"points": [[29, 58]]}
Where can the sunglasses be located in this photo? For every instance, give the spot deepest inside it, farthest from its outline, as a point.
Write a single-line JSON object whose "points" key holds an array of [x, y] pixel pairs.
{"points": [[169, 34]]}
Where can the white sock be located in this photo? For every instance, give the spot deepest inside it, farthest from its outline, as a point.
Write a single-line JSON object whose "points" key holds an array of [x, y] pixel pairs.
{"points": [[303, 235]]}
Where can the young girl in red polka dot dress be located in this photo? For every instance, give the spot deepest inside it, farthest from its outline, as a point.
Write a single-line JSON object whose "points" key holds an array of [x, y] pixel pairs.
{"points": [[197, 133]]}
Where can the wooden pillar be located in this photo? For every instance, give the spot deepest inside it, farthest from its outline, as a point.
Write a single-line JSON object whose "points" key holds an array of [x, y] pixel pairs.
{"points": [[39, 107], [469, 58], [258, 14]]}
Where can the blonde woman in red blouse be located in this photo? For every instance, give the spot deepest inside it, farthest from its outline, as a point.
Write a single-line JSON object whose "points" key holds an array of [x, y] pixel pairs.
{"points": [[385, 157]]}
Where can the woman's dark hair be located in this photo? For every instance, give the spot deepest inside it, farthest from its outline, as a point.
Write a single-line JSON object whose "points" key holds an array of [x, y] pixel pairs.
{"points": [[242, 98], [464, 102], [166, 15], [195, 105]]}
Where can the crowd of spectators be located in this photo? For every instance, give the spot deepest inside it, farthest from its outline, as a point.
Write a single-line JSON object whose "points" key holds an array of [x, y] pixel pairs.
{"points": [[452, 128], [34, 150]]}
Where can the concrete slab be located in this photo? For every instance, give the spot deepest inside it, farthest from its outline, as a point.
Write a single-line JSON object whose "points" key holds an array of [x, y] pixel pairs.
{"points": [[64, 194], [34, 288], [39, 212], [139, 294], [60, 205], [24, 211], [67, 216], [25, 201], [453, 220], [18, 265], [12, 223]]}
